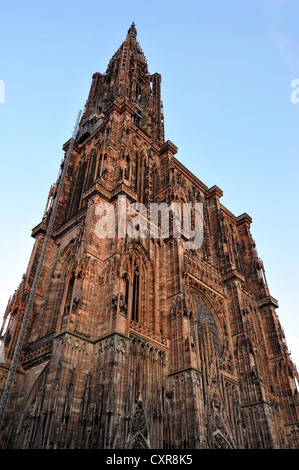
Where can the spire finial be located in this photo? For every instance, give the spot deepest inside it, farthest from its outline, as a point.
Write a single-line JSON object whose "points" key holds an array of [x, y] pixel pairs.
{"points": [[132, 32]]}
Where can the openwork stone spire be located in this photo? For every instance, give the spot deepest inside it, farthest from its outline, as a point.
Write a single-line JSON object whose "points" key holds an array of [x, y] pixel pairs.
{"points": [[127, 79]]}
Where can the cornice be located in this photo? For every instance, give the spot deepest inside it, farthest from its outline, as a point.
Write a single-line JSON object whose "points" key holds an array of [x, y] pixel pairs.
{"points": [[268, 301], [168, 146], [233, 275], [215, 191]]}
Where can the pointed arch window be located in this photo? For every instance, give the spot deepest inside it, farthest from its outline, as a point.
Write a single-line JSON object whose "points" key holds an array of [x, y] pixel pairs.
{"points": [[136, 172], [127, 286], [135, 296], [99, 168], [69, 296], [92, 168], [67, 304], [138, 92]]}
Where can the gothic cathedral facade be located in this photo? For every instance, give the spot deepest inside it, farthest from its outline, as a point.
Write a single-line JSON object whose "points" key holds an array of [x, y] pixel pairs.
{"points": [[140, 342]]}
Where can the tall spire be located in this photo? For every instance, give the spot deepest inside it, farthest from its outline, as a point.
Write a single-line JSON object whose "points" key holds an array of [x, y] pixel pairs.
{"points": [[127, 79]]}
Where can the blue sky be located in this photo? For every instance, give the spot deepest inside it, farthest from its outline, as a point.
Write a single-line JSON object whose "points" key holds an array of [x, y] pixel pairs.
{"points": [[226, 71]]}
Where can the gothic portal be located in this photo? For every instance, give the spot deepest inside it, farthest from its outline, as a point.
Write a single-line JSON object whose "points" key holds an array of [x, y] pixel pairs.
{"points": [[140, 342]]}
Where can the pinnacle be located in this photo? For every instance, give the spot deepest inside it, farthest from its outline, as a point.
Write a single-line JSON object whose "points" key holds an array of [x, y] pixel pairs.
{"points": [[132, 32]]}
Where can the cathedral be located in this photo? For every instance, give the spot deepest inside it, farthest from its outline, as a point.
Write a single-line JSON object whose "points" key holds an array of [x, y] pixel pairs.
{"points": [[135, 341]]}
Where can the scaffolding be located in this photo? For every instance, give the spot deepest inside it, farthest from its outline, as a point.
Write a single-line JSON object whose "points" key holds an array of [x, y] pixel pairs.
{"points": [[23, 329]]}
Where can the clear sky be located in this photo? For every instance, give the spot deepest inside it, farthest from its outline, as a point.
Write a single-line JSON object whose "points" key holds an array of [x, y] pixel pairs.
{"points": [[226, 68]]}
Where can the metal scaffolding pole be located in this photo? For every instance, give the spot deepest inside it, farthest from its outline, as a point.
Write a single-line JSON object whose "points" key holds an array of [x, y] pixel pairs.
{"points": [[25, 321]]}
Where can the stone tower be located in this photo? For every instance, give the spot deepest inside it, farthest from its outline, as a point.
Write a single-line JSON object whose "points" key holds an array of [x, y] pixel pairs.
{"points": [[140, 342]]}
